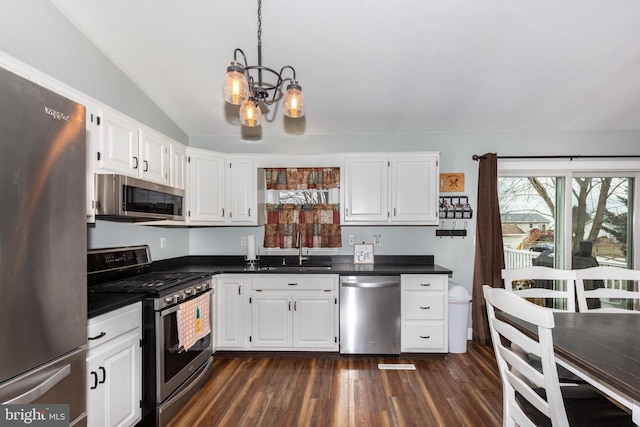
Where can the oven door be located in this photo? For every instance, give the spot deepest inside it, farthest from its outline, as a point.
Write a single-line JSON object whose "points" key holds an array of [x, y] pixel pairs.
{"points": [[174, 365]]}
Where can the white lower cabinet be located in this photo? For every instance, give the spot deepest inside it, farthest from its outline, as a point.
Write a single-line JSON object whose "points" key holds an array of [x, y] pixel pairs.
{"points": [[114, 368], [232, 314], [294, 312], [424, 308]]}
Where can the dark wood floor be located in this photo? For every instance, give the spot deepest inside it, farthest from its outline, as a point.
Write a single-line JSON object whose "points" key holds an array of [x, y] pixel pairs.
{"points": [[458, 390]]}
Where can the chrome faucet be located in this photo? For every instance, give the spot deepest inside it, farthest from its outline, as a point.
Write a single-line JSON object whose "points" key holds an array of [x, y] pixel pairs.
{"points": [[300, 257]]}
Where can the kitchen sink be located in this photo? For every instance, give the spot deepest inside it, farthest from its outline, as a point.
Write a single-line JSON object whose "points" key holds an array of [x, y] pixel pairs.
{"points": [[296, 268]]}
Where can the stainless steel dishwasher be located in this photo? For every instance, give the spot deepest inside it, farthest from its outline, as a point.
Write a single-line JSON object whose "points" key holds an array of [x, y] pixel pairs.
{"points": [[370, 314]]}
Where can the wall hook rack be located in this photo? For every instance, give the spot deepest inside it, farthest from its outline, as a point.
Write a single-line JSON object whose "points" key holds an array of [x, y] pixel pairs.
{"points": [[442, 232]]}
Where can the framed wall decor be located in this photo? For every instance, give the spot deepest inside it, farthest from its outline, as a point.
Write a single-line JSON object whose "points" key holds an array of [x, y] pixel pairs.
{"points": [[363, 254], [451, 182]]}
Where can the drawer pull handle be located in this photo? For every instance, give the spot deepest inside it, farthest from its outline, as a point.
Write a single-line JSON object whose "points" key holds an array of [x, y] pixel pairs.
{"points": [[97, 337], [425, 337], [426, 308], [292, 284], [425, 284]]}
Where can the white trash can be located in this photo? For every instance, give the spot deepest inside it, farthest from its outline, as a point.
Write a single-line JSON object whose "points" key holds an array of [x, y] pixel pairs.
{"points": [[459, 302]]}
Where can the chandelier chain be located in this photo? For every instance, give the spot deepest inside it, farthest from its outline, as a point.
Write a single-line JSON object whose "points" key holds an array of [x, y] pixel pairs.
{"points": [[260, 22]]}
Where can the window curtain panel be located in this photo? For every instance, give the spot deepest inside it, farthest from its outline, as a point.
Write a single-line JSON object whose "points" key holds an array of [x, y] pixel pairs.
{"points": [[489, 257], [318, 223]]}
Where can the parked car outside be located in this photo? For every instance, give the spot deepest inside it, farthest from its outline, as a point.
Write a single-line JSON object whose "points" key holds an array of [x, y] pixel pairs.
{"points": [[541, 247]]}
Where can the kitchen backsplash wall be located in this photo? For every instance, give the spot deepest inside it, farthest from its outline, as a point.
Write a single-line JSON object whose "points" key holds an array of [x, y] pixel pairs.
{"points": [[107, 234]]}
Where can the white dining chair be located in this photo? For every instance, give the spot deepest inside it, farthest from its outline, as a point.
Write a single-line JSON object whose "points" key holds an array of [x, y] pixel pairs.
{"points": [[617, 282], [560, 292], [539, 400]]}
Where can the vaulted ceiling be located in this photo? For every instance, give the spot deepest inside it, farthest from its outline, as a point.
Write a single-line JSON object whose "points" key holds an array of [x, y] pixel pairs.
{"points": [[384, 66]]}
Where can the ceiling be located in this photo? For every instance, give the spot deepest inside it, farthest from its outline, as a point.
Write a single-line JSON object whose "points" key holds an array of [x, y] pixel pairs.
{"points": [[381, 66]]}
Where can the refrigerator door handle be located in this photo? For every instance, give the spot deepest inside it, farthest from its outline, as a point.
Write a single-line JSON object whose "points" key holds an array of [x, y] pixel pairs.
{"points": [[31, 395]]}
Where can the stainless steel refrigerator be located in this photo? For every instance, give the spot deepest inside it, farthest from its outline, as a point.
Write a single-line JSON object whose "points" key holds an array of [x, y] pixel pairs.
{"points": [[43, 303]]}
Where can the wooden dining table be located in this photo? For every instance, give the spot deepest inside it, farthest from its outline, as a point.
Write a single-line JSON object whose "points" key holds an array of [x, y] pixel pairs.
{"points": [[602, 348]]}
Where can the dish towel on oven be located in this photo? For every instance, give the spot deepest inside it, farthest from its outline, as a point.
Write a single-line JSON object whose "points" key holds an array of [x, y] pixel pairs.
{"points": [[193, 321]]}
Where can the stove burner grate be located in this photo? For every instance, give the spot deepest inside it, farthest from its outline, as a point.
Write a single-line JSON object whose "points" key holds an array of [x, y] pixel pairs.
{"points": [[150, 282]]}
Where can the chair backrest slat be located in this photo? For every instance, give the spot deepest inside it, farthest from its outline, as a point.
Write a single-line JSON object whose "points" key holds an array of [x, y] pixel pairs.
{"points": [[518, 377], [616, 282], [561, 284]]}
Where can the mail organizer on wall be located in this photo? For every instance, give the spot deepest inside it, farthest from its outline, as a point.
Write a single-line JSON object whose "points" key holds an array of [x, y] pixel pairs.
{"points": [[455, 207]]}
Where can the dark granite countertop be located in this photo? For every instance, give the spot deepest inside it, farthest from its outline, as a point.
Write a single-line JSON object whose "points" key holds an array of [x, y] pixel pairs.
{"points": [[103, 303], [342, 265]]}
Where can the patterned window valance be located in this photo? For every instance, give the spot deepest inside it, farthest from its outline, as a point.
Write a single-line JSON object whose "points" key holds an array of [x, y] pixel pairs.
{"points": [[302, 178], [319, 223]]}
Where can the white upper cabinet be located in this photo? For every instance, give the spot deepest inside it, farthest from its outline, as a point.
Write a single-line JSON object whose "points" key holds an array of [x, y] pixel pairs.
{"points": [[414, 189], [391, 189], [117, 143], [127, 148], [366, 189], [221, 190], [241, 194], [154, 156], [205, 187], [177, 165]]}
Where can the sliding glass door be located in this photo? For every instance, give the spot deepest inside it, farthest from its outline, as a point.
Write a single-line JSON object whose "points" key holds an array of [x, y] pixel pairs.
{"points": [[568, 219], [601, 227], [531, 212]]}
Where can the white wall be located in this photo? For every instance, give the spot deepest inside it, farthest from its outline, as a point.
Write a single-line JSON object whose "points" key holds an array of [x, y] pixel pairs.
{"points": [[108, 234], [38, 34]]}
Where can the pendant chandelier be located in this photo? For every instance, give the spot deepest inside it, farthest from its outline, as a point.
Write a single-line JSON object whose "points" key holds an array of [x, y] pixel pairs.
{"points": [[244, 85]]}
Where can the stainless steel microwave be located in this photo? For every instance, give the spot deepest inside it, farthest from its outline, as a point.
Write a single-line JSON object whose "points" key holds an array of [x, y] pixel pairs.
{"points": [[125, 198]]}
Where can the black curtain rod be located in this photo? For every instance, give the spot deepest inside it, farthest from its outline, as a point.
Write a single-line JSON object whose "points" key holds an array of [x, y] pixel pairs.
{"points": [[577, 156]]}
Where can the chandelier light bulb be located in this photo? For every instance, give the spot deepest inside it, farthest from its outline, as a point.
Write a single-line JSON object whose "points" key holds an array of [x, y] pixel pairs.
{"points": [[235, 88], [293, 102], [250, 114]]}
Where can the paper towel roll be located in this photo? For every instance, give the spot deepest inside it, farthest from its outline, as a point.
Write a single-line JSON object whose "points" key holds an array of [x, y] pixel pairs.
{"points": [[251, 247]]}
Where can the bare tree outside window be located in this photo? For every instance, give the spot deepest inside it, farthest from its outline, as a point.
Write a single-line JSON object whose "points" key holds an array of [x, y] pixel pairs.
{"points": [[599, 224], [304, 197]]}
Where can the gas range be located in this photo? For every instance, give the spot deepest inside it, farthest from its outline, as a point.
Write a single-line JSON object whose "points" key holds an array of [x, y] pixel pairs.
{"points": [[126, 270], [172, 371]]}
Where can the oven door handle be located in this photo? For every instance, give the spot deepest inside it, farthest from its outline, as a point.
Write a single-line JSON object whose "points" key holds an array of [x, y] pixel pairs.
{"points": [[169, 310]]}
